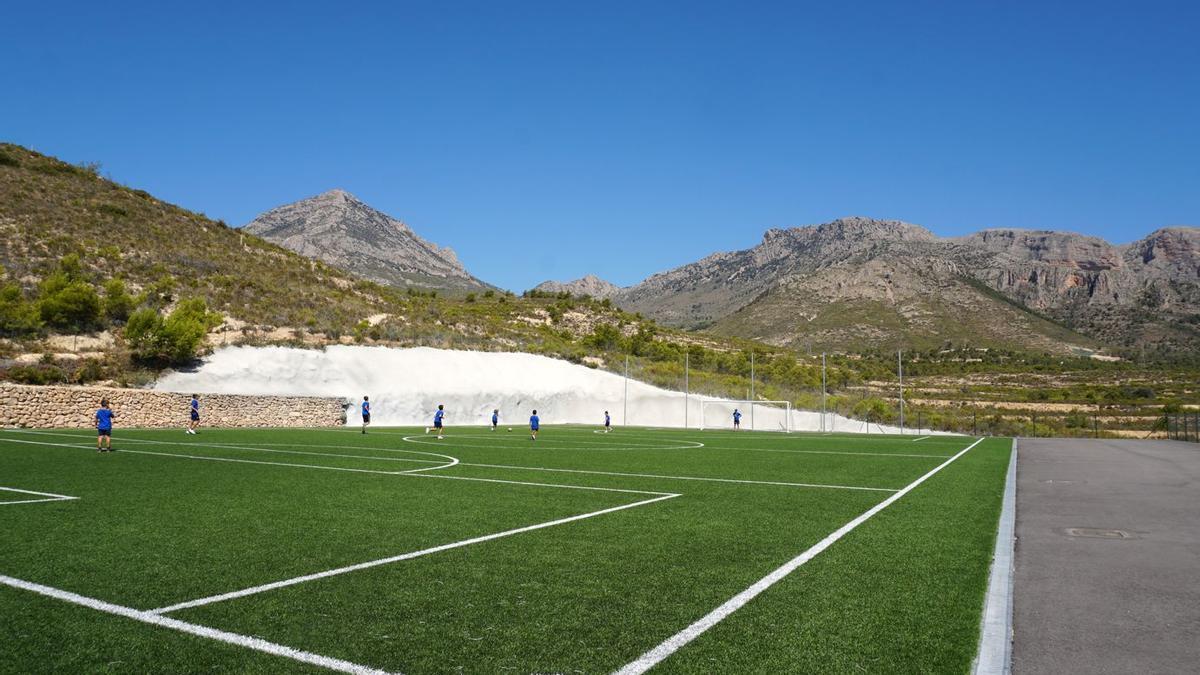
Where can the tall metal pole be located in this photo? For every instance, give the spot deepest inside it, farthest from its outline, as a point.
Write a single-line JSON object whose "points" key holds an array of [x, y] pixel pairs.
{"points": [[900, 371], [686, 389], [822, 391], [625, 415], [752, 389]]}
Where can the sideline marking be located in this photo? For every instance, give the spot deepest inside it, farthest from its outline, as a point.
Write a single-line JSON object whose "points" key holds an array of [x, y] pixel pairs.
{"points": [[177, 444], [699, 478], [338, 468], [996, 629], [675, 642], [254, 643], [421, 440], [839, 452], [49, 496], [397, 558], [921, 438]]}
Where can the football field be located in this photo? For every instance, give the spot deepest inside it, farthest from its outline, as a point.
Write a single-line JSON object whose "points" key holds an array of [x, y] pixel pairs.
{"points": [[274, 550]]}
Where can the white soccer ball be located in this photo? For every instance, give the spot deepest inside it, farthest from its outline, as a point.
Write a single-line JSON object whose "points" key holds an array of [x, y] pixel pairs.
{"points": [[510, 428]]}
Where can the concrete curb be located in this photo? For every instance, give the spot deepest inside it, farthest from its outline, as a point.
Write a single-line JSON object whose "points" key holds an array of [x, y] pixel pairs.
{"points": [[996, 629]]}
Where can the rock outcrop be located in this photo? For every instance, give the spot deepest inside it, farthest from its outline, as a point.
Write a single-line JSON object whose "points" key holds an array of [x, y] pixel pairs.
{"points": [[590, 285]]}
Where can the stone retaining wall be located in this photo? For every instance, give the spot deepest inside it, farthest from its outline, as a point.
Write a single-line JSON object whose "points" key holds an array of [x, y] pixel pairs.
{"points": [[59, 407]]}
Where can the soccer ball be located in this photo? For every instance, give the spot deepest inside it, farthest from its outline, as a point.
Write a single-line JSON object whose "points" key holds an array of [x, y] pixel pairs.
{"points": [[510, 428]]}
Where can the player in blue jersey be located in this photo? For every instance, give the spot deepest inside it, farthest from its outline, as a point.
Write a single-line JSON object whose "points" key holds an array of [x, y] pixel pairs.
{"points": [[607, 422], [104, 423], [437, 420], [195, 414], [534, 422], [366, 413], [737, 419], [495, 418]]}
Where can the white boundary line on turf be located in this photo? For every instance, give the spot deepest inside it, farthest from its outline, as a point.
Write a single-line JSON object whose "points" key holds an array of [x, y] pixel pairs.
{"points": [[697, 478], [422, 440], [675, 642], [246, 641], [996, 628], [50, 496], [921, 438], [838, 452], [177, 444], [397, 558], [338, 468]]}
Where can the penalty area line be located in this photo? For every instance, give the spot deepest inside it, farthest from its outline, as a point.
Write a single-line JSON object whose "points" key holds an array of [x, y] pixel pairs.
{"points": [[676, 642], [397, 558], [43, 496], [239, 640]]}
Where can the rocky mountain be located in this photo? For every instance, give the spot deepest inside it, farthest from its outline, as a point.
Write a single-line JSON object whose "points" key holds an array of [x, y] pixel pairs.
{"points": [[591, 285], [339, 229], [859, 283]]}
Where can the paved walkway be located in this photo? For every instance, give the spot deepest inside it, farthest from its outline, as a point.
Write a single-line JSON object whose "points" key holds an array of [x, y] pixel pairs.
{"points": [[1096, 601]]}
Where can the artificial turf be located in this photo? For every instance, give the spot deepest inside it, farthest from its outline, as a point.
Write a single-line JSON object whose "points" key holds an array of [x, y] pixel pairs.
{"points": [[151, 528]]}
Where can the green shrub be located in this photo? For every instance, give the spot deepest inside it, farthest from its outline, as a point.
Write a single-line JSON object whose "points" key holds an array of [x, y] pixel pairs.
{"points": [[118, 303], [17, 315], [68, 305], [39, 374], [173, 340]]}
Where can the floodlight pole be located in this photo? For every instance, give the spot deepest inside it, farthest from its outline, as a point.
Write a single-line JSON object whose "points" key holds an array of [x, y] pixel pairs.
{"points": [[900, 371], [686, 389], [822, 391], [751, 388], [625, 414]]}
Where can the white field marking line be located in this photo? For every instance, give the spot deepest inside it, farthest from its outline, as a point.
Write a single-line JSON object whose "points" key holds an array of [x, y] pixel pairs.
{"points": [[836, 452], [994, 656], [696, 478], [338, 468], [921, 438], [675, 642], [405, 556], [48, 496], [175, 444], [246, 641], [214, 459], [421, 440]]}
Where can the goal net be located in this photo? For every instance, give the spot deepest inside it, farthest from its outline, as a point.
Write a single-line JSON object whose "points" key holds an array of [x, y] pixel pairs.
{"points": [[756, 415]]}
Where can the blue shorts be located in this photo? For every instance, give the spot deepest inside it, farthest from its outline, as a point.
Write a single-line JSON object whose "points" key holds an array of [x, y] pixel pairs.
{"points": [[437, 424], [533, 427], [195, 416], [366, 418], [104, 432]]}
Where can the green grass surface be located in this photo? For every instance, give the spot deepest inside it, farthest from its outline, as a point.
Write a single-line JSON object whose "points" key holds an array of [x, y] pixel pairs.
{"points": [[152, 528]]}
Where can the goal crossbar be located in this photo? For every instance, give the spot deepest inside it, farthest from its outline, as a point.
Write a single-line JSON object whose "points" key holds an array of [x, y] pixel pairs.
{"points": [[717, 413]]}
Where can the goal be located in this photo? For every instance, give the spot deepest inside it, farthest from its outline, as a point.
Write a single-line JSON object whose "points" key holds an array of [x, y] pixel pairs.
{"points": [[756, 415]]}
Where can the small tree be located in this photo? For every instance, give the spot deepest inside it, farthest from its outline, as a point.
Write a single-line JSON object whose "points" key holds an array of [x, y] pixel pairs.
{"points": [[173, 340], [18, 316], [68, 304]]}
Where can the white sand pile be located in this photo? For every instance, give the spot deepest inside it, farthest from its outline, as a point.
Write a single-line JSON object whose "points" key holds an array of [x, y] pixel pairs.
{"points": [[406, 386]]}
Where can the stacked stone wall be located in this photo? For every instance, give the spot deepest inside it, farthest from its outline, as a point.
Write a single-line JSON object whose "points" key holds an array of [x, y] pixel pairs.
{"points": [[74, 407]]}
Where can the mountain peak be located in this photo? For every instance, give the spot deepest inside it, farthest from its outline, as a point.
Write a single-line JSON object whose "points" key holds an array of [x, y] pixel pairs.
{"points": [[338, 228], [588, 285]]}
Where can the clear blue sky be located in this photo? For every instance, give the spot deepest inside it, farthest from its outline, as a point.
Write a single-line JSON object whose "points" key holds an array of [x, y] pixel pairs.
{"points": [[549, 140]]}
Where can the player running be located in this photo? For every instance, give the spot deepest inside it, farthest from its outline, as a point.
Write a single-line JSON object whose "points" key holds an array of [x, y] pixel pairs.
{"points": [[104, 421], [366, 413], [195, 414], [437, 420], [534, 422], [607, 422], [495, 418], [737, 419]]}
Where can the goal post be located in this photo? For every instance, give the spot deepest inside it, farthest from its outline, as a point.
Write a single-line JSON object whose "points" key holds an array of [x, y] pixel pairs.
{"points": [[717, 413]]}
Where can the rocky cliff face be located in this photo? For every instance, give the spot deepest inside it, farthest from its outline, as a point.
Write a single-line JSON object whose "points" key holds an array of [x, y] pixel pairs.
{"points": [[341, 230], [589, 285], [873, 282]]}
